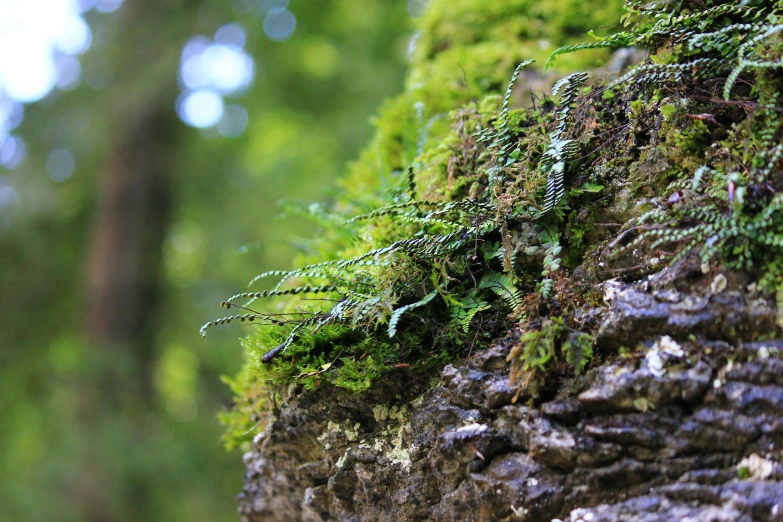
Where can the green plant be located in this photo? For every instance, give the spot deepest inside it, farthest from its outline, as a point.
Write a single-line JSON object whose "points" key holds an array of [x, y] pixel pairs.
{"points": [[560, 150], [704, 42], [488, 220], [442, 255], [733, 210]]}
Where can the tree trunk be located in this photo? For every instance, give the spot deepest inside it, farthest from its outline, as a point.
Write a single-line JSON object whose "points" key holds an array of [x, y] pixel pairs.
{"points": [[135, 197]]}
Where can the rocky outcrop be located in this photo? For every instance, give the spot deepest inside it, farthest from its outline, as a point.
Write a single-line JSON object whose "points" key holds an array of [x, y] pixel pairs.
{"points": [[683, 420], [641, 378]]}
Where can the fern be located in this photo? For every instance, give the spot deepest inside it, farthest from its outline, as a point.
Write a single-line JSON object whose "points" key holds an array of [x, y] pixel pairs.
{"points": [[744, 63], [718, 40], [503, 286], [395, 318], [363, 300], [500, 141], [622, 39], [744, 233], [537, 347], [361, 289], [560, 150], [463, 312], [503, 117]]}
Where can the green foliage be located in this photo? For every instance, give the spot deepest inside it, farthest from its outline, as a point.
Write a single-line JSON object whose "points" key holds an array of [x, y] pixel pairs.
{"points": [[422, 248], [395, 318], [732, 204], [560, 150], [430, 260], [538, 346], [463, 312], [503, 286], [734, 210], [431, 255], [616, 40], [546, 341], [499, 138], [431, 249], [723, 40], [550, 240], [578, 350]]}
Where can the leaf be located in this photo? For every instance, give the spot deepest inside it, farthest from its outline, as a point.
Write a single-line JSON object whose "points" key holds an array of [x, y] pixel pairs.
{"points": [[592, 187], [395, 318], [502, 285]]}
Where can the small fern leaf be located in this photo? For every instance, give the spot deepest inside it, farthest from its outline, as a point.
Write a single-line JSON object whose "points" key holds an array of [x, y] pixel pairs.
{"points": [[287, 291], [470, 313], [507, 96], [227, 320], [395, 318], [502, 285], [622, 39]]}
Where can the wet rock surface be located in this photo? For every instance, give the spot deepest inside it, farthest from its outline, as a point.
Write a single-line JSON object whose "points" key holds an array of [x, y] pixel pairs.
{"points": [[684, 423]]}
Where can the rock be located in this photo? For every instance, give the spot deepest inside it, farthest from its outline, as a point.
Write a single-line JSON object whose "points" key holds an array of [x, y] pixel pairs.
{"points": [[687, 429], [678, 414]]}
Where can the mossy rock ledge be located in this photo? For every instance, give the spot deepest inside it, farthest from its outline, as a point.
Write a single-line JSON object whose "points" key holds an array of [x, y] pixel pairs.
{"points": [[592, 332]]}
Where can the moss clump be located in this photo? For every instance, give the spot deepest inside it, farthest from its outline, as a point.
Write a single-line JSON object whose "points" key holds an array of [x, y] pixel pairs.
{"points": [[489, 217]]}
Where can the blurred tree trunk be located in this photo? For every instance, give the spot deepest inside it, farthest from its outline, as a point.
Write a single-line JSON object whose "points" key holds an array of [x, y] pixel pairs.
{"points": [[135, 199], [134, 206], [131, 223]]}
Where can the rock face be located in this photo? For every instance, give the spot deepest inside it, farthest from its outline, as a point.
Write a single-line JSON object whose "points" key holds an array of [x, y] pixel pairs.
{"points": [[687, 427], [642, 379]]}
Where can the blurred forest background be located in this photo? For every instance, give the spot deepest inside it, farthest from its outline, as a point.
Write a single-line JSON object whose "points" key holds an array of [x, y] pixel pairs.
{"points": [[144, 149]]}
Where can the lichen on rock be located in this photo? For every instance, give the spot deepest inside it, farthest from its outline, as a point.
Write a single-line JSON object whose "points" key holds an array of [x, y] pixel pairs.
{"points": [[563, 305]]}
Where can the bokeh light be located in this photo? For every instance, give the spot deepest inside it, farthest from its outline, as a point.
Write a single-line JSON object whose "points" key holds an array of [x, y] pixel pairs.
{"points": [[60, 165], [13, 152], [234, 121], [107, 6], [201, 108], [211, 69], [279, 24], [29, 73], [46, 37]]}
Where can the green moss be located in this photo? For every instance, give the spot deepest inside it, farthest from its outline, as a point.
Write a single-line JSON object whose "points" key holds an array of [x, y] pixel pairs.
{"points": [[489, 216]]}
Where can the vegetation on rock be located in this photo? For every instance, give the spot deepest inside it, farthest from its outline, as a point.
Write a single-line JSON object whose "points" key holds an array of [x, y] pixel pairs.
{"points": [[490, 217]]}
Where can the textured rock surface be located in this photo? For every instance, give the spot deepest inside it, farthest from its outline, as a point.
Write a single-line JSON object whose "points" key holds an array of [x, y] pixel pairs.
{"points": [[679, 415], [686, 426]]}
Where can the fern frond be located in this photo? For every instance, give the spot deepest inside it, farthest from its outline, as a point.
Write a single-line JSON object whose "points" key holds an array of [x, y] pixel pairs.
{"points": [[503, 286], [440, 207], [411, 183], [503, 118], [560, 151], [743, 63], [288, 291], [395, 318], [700, 17], [578, 349], [617, 40], [293, 335], [227, 320], [467, 308]]}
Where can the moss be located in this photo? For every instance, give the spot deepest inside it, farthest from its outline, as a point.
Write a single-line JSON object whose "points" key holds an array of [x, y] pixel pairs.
{"points": [[466, 50], [494, 220]]}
